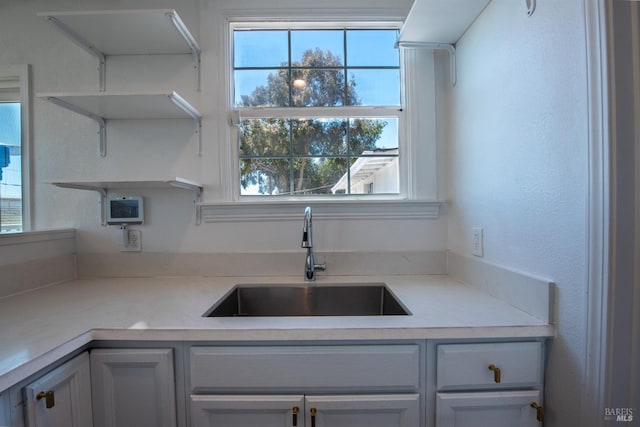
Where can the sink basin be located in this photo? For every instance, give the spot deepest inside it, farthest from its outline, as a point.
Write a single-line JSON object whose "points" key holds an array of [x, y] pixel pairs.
{"points": [[373, 299]]}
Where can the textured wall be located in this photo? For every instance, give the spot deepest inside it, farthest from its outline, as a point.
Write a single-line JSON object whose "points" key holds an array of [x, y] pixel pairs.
{"points": [[517, 164]]}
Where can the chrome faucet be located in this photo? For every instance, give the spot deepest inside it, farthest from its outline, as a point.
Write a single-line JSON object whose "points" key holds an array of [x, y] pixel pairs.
{"points": [[310, 267]]}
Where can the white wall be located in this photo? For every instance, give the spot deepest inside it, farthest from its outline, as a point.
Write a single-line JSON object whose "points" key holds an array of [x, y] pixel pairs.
{"points": [[33, 259], [517, 164], [65, 144]]}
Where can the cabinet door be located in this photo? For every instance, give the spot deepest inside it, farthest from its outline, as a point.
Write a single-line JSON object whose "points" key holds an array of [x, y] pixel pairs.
{"points": [[389, 410], [244, 410], [133, 387], [487, 409], [61, 398], [4, 409]]}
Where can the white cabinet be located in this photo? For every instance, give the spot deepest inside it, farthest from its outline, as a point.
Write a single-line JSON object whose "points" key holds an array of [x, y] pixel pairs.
{"points": [[5, 412], [387, 410], [487, 409], [390, 410], [247, 410], [61, 398], [306, 386], [489, 384], [133, 387], [344, 368]]}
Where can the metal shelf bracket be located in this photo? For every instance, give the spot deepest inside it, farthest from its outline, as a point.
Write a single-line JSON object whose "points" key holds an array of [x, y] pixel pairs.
{"points": [[191, 42], [99, 190], [102, 124], [89, 47], [191, 112], [197, 192]]}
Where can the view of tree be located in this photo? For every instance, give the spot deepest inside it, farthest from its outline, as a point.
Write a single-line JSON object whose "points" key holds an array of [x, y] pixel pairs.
{"points": [[306, 156]]}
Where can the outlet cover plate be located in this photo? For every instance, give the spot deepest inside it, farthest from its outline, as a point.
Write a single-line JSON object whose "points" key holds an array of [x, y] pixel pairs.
{"points": [[477, 242]]}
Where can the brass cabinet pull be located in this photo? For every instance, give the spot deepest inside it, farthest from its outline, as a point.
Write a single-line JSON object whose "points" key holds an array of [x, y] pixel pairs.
{"points": [[295, 411], [313, 412], [496, 372], [49, 398], [539, 411]]}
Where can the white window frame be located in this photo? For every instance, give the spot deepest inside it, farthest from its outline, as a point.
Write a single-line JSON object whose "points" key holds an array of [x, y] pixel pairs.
{"points": [[23, 75], [419, 188], [316, 112]]}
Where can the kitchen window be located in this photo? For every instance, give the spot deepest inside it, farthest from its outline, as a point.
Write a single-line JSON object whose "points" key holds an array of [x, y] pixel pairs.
{"points": [[317, 108], [14, 131]]}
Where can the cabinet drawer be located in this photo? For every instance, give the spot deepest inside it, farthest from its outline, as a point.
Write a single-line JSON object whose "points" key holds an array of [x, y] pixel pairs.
{"points": [[304, 368], [489, 366]]}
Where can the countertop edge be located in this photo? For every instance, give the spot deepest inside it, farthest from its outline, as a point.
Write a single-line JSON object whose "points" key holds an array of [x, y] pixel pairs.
{"points": [[37, 363]]}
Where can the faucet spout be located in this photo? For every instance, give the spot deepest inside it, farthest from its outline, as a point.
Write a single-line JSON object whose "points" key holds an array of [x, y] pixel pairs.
{"points": [[310, 266], [307, 233]]}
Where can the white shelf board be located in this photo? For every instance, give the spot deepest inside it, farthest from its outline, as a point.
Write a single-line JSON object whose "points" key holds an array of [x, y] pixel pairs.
{"points": [[129, 32], [129, 105], [176, 182], [440, 21]]}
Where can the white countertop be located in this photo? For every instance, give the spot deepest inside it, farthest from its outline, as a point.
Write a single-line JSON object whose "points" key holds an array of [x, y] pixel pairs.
{"points": [[40, 326]]}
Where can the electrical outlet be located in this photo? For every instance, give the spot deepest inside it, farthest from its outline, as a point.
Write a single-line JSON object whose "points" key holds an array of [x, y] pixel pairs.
{"points": [[477, 242], [134, 241]]}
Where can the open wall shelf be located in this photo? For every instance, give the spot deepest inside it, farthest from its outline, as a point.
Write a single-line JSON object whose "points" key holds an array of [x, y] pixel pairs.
{"points": [[439, 24], [103, 106], [127, 32], [103, 188]]}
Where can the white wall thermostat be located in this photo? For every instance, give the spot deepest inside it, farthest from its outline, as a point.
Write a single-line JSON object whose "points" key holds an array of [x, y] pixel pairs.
{"points": [[125, 210]]}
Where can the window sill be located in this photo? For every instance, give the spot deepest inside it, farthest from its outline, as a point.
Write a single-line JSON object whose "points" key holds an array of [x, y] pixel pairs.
{"points": [[242, 211]]}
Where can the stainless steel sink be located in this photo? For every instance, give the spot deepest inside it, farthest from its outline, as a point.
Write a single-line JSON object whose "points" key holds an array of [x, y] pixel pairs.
{"points": [[367, 299]]}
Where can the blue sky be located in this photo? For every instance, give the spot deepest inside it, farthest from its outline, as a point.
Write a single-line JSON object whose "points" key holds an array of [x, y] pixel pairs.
{"points": [[10, 135], [365, 48], [9, 123]]}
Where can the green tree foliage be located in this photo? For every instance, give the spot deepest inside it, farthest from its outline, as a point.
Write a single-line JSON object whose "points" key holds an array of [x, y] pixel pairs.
{"points": [[304, 156]]}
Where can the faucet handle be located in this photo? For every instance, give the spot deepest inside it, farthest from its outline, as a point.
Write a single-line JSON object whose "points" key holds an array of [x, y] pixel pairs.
{"points": [[321, 267]]}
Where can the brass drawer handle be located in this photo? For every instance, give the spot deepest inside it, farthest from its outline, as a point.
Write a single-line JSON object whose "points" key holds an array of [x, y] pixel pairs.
{"points": [[496, 372], [48, 397], [313, 412], [295, 411], [539, 411]]}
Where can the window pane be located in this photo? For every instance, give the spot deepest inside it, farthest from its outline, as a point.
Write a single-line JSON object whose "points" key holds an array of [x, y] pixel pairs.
{"points": [[261, 88], [319, 137], [264, 137], [260, 48], [265, 176], [318, 175], [372, 134], [372, 48], [318, 88], [376, 87], [10, 168], [317, 48]]}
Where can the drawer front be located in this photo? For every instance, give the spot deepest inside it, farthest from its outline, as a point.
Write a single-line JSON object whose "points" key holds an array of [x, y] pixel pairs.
{"points": [[489, 366], [305, 368]]}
